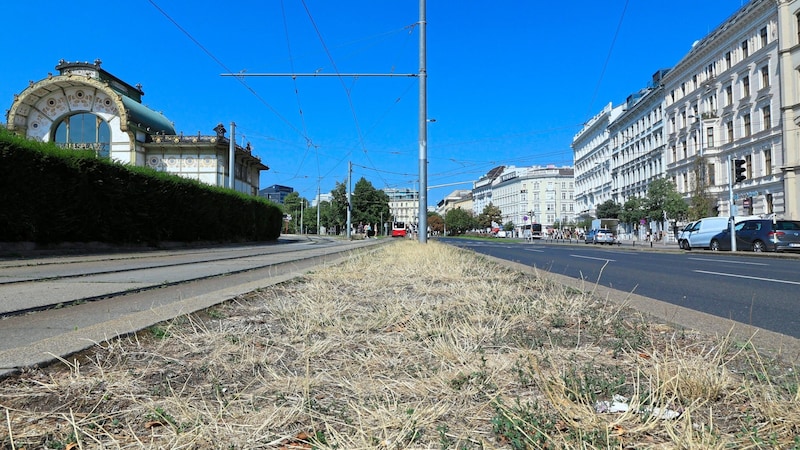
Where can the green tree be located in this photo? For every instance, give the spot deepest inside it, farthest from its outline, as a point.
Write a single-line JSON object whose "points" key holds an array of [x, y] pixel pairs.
{"points": [[370, 205], [490, 214], [608, 210], [663, 199], [459, 221], [294, 205], [633, 211], [508, 226], [337, 215]]}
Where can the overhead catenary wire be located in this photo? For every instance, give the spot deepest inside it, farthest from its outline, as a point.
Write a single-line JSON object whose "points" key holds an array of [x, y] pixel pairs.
{"points": [[221, 64]]}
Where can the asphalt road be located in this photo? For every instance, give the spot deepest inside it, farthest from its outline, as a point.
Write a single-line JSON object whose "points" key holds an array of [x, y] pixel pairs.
{"points": [[758, 290]]}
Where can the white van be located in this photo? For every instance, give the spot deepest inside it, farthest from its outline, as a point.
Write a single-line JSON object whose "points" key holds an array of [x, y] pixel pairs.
{"points": [[683, 236], [700, 234]]}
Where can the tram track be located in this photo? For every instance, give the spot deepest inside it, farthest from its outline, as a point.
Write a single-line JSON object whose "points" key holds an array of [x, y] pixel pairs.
{"points": [[45, 314]]}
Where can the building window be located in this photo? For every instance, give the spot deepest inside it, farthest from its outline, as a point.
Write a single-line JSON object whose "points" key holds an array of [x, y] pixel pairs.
{"points": [[764, 77], [797, 24], [745, 87], [746, 120], [766, 118], [768, 162], [727, 60], [729, 126], [712, 179], [84, 131], [710, 137], [768, 201], [728, 95], [763, 34], [749, 164], [745, 50]]}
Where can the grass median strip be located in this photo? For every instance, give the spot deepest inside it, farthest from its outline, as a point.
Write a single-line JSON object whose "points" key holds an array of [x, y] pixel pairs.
{"points": [[409, 346]]}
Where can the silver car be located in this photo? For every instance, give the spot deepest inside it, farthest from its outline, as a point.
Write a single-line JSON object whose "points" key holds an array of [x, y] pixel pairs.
{"points": [[603, 236]]}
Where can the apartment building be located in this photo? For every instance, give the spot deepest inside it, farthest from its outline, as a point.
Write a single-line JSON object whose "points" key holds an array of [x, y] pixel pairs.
{"points": [[789, 74], [636, 140], [535, 195], [721, 103], [592, 152], [403, 205]]}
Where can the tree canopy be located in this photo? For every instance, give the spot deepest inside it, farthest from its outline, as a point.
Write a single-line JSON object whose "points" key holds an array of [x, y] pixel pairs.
{"points": [[663, 198], [370, 205], [608, 210], [490, 214], [459, 221]]}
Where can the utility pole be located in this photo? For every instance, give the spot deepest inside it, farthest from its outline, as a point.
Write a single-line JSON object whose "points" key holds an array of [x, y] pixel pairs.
{"points": [[319, 201], [731, 206], [231, 156], [423, 129], [349, 182]]}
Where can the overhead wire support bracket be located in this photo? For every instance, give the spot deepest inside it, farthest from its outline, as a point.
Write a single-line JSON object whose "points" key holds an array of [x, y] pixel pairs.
{"points": [[319, 74]]}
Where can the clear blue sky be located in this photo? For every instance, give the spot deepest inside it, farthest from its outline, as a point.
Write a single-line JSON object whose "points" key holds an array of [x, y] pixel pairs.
{"points": [[509, 82]]}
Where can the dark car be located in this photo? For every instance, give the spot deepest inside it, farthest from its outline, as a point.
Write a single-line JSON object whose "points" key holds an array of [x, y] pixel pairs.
{"points": [[761, 235], [588, 238]]}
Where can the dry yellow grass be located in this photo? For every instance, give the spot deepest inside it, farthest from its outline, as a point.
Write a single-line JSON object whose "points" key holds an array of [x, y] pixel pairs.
{"points": [[408, 346]]}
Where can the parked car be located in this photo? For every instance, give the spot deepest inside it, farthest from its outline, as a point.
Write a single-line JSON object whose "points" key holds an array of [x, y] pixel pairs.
{"points": [[701, 232], [604, 236], [588, 238], [761, 235]]}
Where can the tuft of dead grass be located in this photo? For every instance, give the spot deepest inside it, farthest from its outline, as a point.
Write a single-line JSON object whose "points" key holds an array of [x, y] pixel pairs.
{"points": [[408, 346]]}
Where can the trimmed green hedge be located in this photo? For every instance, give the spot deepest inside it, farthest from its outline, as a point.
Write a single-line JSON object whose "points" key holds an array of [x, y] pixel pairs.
{"points": [[51, 195]]}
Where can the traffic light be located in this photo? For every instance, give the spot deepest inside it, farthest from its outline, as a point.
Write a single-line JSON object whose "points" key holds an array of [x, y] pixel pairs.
{"points": [[740, 170]]}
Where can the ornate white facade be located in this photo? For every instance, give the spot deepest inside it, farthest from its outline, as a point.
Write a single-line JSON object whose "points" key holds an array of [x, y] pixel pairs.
{"points": [[85, 107], [636, 139], [536, 194], [735, 95], [403, 205], [789, 74], [592, 152], [722, 102]]}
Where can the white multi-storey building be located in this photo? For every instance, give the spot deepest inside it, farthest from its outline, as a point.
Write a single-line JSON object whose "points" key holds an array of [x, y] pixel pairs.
{"points": [[788, 70], [592, 154], [721, 103], [482, 190], [535, 195], [636, 139], [403, 205]]}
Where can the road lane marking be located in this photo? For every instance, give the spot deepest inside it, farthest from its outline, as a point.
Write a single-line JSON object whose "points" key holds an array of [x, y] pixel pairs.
{"points": [[591, 257], [772, 280], [533, 250], [729, 262]]}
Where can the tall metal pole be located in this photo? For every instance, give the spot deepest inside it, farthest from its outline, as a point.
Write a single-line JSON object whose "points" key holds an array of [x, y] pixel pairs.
{"points": [[231, 156], [349, 182], [732, 213], [423, 130], [319, 201]]}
